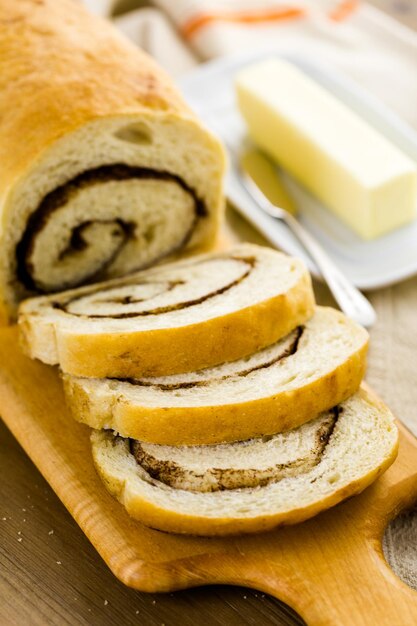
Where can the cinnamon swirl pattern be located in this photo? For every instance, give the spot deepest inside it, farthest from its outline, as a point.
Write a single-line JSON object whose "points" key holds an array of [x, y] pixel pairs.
{"points": [[255, 485], [246, 464], [62, 247], [172, 289], [175, 318], [273, 390]]}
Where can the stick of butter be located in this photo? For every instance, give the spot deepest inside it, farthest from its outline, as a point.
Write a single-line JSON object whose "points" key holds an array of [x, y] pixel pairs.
{"points": [[355, 171]]}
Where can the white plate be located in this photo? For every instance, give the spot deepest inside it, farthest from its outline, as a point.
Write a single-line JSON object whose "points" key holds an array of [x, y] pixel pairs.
{"points": [[369, 265]]}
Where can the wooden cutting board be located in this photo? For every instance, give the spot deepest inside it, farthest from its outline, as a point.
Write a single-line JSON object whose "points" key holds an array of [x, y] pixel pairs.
{"points": [[330, 569]]}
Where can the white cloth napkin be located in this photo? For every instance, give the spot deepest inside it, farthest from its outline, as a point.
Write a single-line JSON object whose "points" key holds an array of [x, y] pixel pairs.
{"points": [[349, 35], [151, 30]]}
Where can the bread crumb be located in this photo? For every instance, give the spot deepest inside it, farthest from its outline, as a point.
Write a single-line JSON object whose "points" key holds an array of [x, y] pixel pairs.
{"points": [[20, 539], [51, 532], [137, 612], [153, 602], [24, 519], [58, 563], [106, 602], [245, 597], [4, 519], [24, 510], [19, 532]]}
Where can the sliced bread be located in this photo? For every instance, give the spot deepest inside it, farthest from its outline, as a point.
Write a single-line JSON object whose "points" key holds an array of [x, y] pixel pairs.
{"points": [[175, 318], [251, 486], [311, 370]]}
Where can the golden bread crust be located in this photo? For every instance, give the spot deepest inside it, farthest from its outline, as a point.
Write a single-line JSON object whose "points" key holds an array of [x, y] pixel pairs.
{"points": [[63, 67]]}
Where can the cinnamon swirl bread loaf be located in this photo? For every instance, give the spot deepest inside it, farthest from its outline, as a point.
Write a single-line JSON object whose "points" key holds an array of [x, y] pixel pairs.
{"points": [[104, 169], [175, 318], [315, 367], [253, 485]]}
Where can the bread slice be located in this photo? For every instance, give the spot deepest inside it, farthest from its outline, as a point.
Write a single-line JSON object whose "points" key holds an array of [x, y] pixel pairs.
{"points": [[251, 486], [104, 168], [171, 319], [312, 369]]}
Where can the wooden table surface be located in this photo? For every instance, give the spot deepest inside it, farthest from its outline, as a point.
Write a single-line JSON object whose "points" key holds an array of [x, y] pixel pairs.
{"points": [[51, 575]]}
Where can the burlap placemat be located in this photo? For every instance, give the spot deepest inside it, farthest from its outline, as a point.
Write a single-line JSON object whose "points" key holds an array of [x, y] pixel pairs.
{"points": [[392, 372]]}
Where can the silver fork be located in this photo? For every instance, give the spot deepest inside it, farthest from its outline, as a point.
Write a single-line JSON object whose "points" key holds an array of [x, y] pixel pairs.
{"points": [[351, 301]]}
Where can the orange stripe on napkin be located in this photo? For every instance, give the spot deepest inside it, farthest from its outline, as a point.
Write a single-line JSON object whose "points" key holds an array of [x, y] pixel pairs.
{"points": [[344, 10], [197, 22]]}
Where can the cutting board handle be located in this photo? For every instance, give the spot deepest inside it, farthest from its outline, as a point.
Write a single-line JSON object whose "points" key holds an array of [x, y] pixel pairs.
{"points": [[357, 587], [343, 581], [330, 569]]}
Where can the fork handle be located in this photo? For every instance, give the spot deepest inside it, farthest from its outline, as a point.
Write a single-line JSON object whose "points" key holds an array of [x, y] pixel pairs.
{"points": [[349, 298]]}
